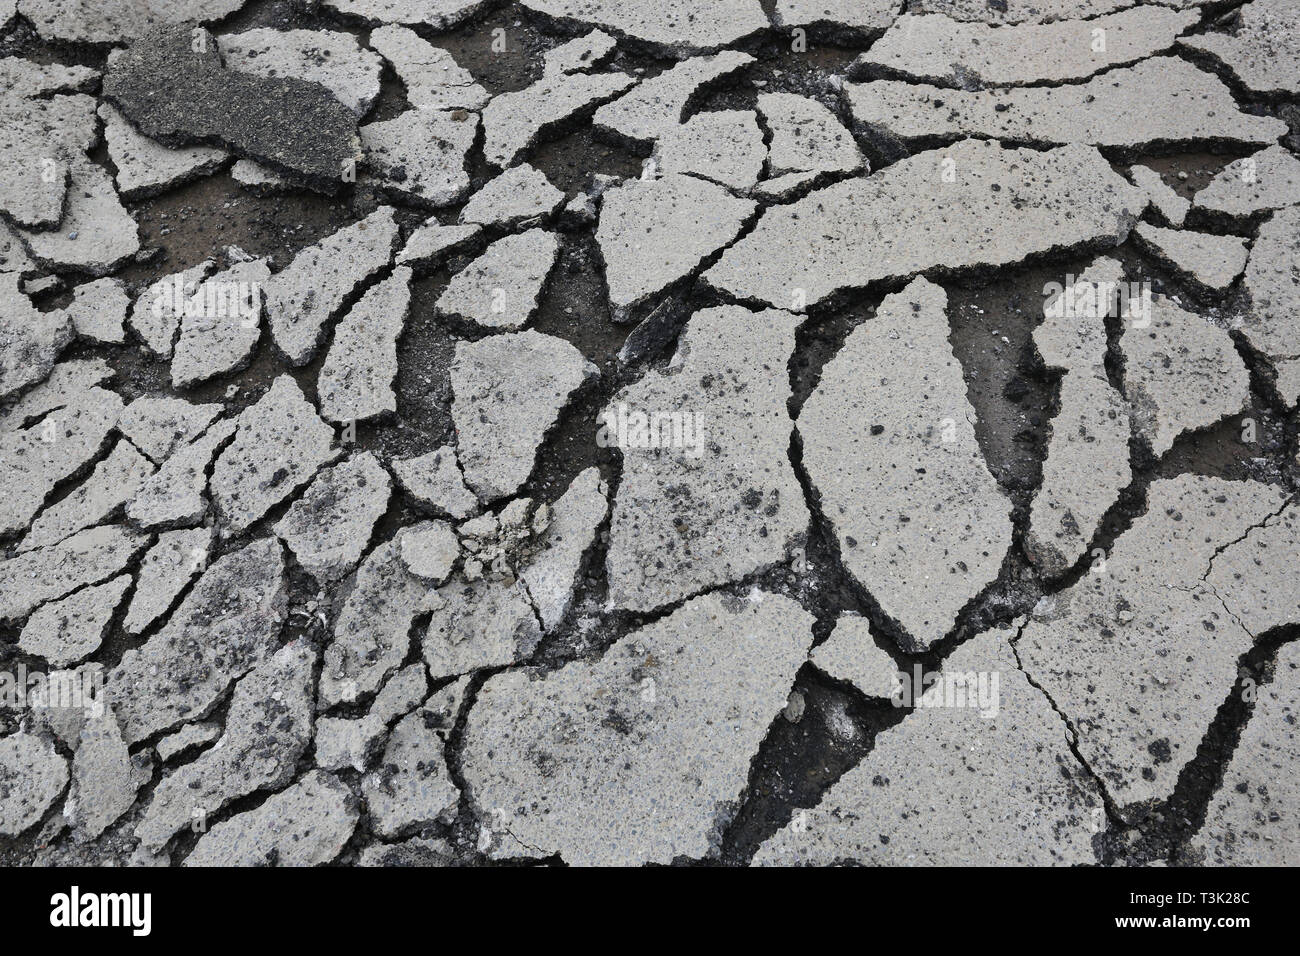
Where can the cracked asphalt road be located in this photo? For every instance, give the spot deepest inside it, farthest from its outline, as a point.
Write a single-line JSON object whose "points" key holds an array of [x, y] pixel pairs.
{"points": [[603, 432]]}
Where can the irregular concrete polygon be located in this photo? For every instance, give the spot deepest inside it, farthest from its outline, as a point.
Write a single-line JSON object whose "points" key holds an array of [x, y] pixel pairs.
{"points": [[552, 575], [850, 655], [173, 497], [659, 104], [435, 14], [167, 568], [430, 74], [335, 60], [431, 552], [514, 122], [328, 528], [104, 779], [30, 340], [219, 334], [411, 786], [678, 27], [115, 20], [1270, 179], [580, 54], [96, 234], [1263, 49], [435, 483], [430, 243], [486, 623], [1272, 321], [420, 154], [1207, 263], [1171, 207], [47, 574], [69, 630], [502, 288], [113, 482], [157, 311], [807, 140], [863, 16], [157, 425], [188, 737], [98, 311], [723, 146], [146, 167], [1256, 578], [519, 194], [356, 379], [32, 775]]}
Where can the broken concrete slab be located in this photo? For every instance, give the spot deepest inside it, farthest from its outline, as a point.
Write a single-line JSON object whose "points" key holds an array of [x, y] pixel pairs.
{"points": [[105, 780], [1255, 580], [1251, 820], [431, 552], [30, 340], [1170, 207], [654, 233], [1018, 11], [1209, 264], [280, 444], [98, 311], [1271, 323], [312, 289], [227, 625], [936, 49], [356, 378], [20, 77], [689, 696], [659, 104], [858, 17], [677, 27], [432, 78], [267, 730], [220, 330], [1138, 655], [722, 146], [502, 288], [481, 624], [174, 497], [335, 60], [986, 782], [171, 86], [70, 629], [13, 254], [145, 167], [435, 483], [1087, 463], [307, 824], [516, 121], [808, 140], [1263, 50], [157, 312], [435, 14], [519, 194], [922, 524], [116, 20], [1163, 102], [328, 528], [32, 776], [1181, 373], [421, 153], [432, 242], [47, 574], [552, 575], [1270, 179], [158, 425], [168, 567], [860, 231], [507, 393], [187, 738], [708, 495], [580, 54], [114, 481], [850, 655], [69, 384], [411, 787]]}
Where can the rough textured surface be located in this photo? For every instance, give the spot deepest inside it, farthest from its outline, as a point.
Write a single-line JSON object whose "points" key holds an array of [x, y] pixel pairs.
{"points": [[1263, 52], [173, 561], [502, 287], [218, 340], [30, 341], [678, 26], [851, 655], [513, 122], [1270, 179], [519, 194], [334, 60], [724, 146], [657, 105], [420, 155], [1206, 262], [47, 574], [1272, 283], [116, 20], [551, 577], [32, 775], [356, 380], [328, 528], [431, 76]]}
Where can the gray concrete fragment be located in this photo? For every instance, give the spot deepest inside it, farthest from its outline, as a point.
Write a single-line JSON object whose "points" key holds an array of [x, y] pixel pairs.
{"points": [[20, 77], [654, 233], [1162, 102], [401, 695], [113, 482], [1207, 263], [219, 333], [723, 146], [1252, 819], [862, 16], [435, 483], [1181, 373], [1169, 206], [1019, 11], [552, 575], [659, 104], [328, 528], [1262, 51], [411, 787], [508, 391], [889, 444], [1270, 179], [435, 14], [850, 655], [335, 60], [173, 497], [47, 574], [857, 232], [588, 761], [313, 288], [227, 625], [146, 167], [171, 85], [415, 851], [32, 775], [708, 495], [430, 74], [13, 254], [167, 568], [280, 444], [69, 630], [115, 20], [1272, 322], [1139, 654], [936, 49], [1257, 578], [957, 785], [356, 379], [259, 180], [345, 743], [188, 737], [156, 313], [68, 384], [430, 243], [268, 729], [678, 27], [502, 288], [806, 138], [158, 425], [514, 122], [104, 778], [30, 340], [98, 311], [421, 154], [580, 54], [486, 623], [431, 552], [519, 194]]}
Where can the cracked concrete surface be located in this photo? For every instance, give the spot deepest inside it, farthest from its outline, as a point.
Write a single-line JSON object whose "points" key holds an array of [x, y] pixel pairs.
{"points": [[603, 432]]}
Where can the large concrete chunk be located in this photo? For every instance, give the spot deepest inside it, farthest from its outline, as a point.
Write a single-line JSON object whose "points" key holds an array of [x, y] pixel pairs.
{"points": [[987, 779], [431, 76], [115, 20], [280, 444], [32, 775], [502, 288], [936, 49], [219, 333], [1181, 373], [1161, 102], [1256, 578], [723, 146], [421, 153], [995, 207], [356, 379], [1170, 207], [69, 630], [642, 756], [268, 729], [1139, 654], [1254, 819], [708, 495], [1087, 463], [305, 825], [313, 288], [227, 625], [514, 122], [679, 27], [96, 234], [807, 141], [47, 574], [435, 483], [147, 168], [1270, 179], [157, 311], [329, 527], [172, 86], [484, 624], [174, 496], [98, 311], [517, 195], [1272, 322], [30, 340], [167, 568], [654, 233], [580, 54], [411, 788], [1207, 263], [889, 444], [334, 60], [552, 575], [658, 105], [861, 16], [508, 391], [1262, 51], [158, 425]]}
